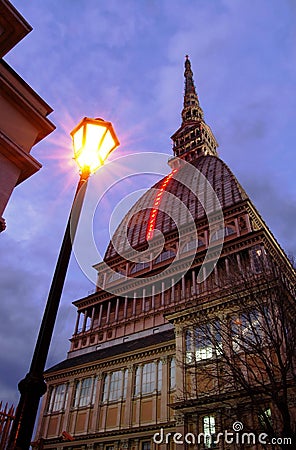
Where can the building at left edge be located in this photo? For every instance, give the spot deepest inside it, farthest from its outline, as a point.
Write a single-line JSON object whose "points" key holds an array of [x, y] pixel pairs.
{"points": [[191, 334], [23, 113]]}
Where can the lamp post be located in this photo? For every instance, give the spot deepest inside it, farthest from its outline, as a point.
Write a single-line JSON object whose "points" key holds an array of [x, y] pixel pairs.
{"points": [[93, 141]]}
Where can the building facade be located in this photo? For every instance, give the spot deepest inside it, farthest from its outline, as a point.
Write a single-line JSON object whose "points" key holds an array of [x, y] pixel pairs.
{"points": [[23, 113], [170, 349]]}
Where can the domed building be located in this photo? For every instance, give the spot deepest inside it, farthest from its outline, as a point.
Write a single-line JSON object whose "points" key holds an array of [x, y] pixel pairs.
{"points": [[171, 349]]}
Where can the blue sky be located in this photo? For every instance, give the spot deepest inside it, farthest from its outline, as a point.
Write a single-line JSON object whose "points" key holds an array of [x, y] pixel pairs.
{"points": [[124, 61]]}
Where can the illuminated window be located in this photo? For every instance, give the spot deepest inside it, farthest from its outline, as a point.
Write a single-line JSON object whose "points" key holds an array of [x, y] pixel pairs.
{"points": [[209, 430], [247, 330], [258, 259], [203, 342], [265, 418]]}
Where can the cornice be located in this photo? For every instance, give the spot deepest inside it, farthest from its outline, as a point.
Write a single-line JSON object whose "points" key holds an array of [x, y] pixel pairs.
{"points": [[94, 367]]}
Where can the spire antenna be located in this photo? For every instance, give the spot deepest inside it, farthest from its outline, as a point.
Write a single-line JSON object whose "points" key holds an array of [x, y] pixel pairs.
{"points": [[194, 138]]}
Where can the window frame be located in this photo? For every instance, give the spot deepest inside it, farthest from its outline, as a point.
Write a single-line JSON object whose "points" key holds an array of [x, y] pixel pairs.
{"points": [[58, 400]]}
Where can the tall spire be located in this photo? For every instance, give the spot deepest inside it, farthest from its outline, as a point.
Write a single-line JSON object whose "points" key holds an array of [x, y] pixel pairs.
{"points": [[194, 138], [191, 107]]}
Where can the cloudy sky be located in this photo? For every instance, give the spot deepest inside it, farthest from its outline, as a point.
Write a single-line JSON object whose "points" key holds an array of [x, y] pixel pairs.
{"points": [[124, 61]]}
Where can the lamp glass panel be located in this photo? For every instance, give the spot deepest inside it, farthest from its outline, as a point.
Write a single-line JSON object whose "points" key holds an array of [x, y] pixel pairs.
{"points": [[89, 157], [107, 146], [77, 140]]}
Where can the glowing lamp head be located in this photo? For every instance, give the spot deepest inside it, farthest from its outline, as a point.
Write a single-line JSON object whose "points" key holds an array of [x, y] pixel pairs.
{"points": [[93, 141]]}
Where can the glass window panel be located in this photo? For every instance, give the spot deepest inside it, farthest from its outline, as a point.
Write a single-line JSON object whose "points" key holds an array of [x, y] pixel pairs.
{"points": [[173, 373], [106, 387], [85, 392], [115, 385], [159, 376], [138, 380], [59, 397], [148, 378], [209, 429]]}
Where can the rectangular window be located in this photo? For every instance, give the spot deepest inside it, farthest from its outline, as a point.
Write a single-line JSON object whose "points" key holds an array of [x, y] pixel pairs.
{"points": [[159, 376], [265, 419], [138, 381], [125, 383], [203, 345], [204, 342], [247, 331], [84, 392], [189, 347], [148, 378], [115, 384], [172, 373], [258, 258], [145, 446], [106, 387], [209, 430], [58, 398]]}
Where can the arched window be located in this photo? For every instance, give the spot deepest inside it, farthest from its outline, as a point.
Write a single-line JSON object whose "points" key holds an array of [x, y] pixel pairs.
{"points": [[167, 254], [115, 276], [140, 266], [222, 232], [192, 245]]}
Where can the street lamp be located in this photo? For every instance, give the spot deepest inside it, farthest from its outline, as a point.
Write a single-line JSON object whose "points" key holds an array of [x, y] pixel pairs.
{"points": [[93, 141]]}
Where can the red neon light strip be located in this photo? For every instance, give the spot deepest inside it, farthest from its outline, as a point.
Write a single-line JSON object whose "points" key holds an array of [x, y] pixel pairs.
{"points": [[154, 211]]}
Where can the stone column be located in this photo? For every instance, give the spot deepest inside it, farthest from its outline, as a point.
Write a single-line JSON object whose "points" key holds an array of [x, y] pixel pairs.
{"points": [[92, 317], [193, 282], [238, 260], [125, 307], [162, 293], [108, 312], [84, 321], [153, 297], [227, 267], [94, 426], [183, 292], [216, 275], [164, 396], [129, 395], [116, 310], [143, 300], [66, 417], [173, 291], [77, 322], [100, 315], [180, 352], [134, 303]]}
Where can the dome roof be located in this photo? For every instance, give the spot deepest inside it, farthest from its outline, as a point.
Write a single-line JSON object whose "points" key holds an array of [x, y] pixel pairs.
{"points": [[186, 185]]}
